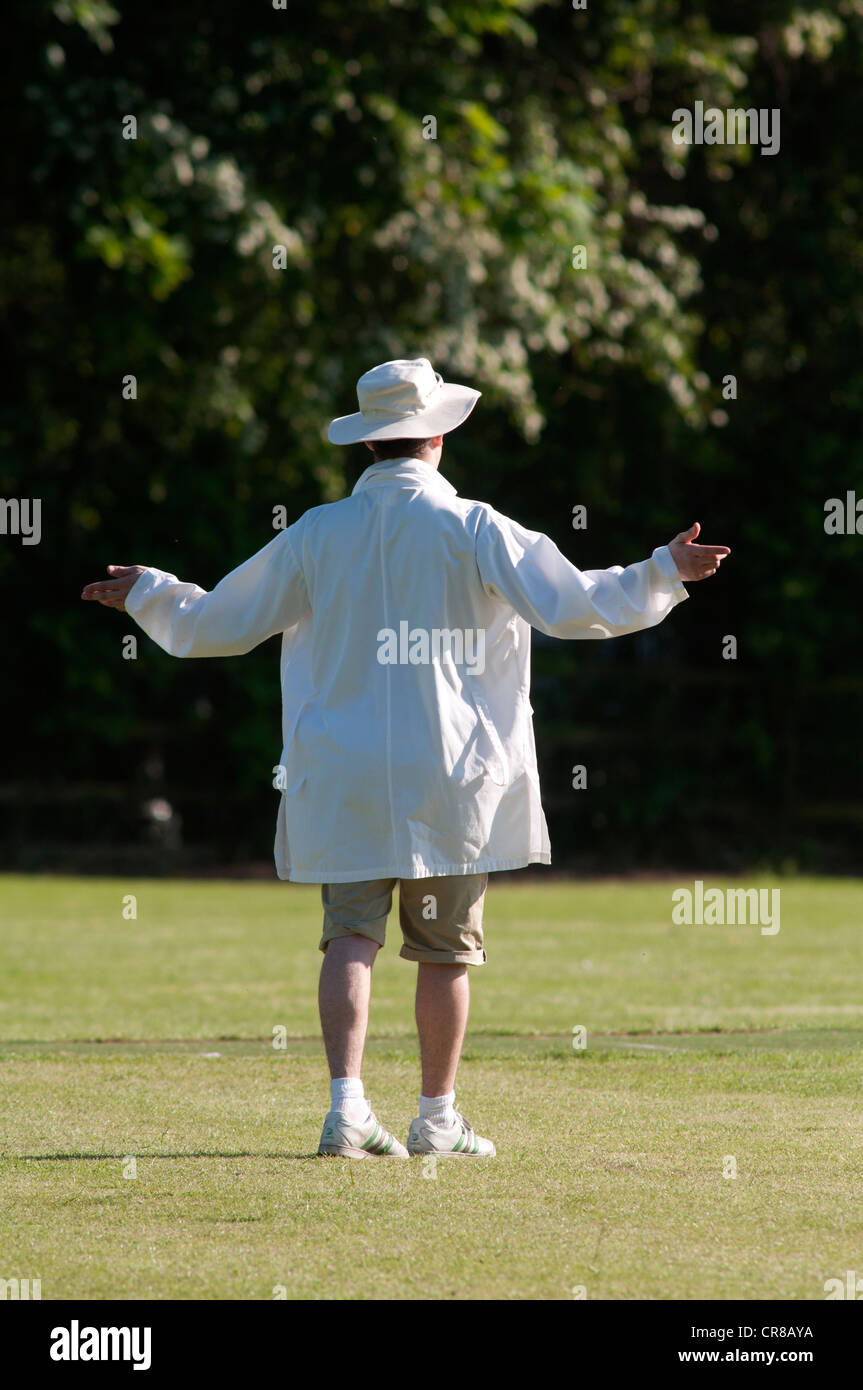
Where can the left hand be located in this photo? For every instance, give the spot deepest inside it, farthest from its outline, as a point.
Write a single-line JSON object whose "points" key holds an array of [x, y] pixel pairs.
{"points": [[113, 592]]}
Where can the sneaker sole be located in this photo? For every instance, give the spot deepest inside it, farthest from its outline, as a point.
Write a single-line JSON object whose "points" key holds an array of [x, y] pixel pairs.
{"points": [[347, 1151], [447, 1153]]}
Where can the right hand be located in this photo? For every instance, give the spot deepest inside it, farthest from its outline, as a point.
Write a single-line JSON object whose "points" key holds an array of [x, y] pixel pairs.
{"points": [[695, 561]]}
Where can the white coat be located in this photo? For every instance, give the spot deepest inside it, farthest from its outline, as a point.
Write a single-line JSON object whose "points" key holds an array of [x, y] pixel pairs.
{"points": [[406, 610]]}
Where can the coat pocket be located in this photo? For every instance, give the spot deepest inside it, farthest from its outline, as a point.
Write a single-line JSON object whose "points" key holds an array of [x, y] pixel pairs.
{"points": [[497, 762], [292, 762]]}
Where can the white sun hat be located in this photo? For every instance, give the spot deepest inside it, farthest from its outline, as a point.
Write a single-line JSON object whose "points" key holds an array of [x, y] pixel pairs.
{"points": [[404, 399]]}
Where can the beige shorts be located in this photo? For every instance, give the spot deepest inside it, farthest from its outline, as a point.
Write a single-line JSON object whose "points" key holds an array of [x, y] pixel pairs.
{"points": [[440, 918]]}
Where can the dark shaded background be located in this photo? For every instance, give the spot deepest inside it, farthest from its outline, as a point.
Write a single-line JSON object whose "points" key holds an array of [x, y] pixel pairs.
{"points": [[303, 127]]}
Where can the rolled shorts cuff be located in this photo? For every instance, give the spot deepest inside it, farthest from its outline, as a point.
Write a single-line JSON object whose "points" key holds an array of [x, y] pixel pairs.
{"points": [[443, 957], [375, 931]]}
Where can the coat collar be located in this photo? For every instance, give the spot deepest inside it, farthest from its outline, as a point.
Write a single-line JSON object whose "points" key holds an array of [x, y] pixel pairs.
{"points": [[395, 472]]}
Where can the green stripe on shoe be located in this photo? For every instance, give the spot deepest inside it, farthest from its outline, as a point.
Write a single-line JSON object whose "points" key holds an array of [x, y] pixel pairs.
{"points": [[372, 1137]]}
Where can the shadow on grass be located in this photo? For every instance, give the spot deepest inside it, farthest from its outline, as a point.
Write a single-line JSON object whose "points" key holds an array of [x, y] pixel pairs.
{"points": [[189, 1153]]}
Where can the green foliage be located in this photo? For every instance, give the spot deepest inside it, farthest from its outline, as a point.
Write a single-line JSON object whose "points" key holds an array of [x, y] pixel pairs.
{"points": [[305, 129]]}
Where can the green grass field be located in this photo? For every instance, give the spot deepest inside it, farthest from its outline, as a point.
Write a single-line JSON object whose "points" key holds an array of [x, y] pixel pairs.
{"points": [[704, 1044]]}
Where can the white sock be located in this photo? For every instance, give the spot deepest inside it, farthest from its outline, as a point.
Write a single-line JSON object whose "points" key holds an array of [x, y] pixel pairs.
{"points": [[346, 1096], [439, 1110]]}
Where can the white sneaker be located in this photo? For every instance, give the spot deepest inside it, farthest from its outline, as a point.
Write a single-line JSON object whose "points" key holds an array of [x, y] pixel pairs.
{"points": [[342, 1138], [458, 1142]]}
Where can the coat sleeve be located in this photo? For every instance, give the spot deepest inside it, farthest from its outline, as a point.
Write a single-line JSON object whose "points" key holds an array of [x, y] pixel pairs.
{"points": [[526, 569], [264, 596]]}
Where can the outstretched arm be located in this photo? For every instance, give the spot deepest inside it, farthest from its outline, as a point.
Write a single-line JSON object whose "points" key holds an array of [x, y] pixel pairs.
{"points": [[264, 596], [527, 570]]}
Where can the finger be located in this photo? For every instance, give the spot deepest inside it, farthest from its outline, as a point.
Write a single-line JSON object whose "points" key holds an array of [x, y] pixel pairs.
{"points": [[718, 551], [121, 569], [689, 535]]}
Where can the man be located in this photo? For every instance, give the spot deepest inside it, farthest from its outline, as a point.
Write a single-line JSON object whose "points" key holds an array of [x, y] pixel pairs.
{"points": [[408, 743]]}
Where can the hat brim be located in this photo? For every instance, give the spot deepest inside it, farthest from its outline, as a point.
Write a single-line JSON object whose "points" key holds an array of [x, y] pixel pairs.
{"points": [[451, 408]]}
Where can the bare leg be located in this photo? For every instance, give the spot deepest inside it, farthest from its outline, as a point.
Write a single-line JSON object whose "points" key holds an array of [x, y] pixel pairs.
{"points": [[343, 1000], [442, 1005]]}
